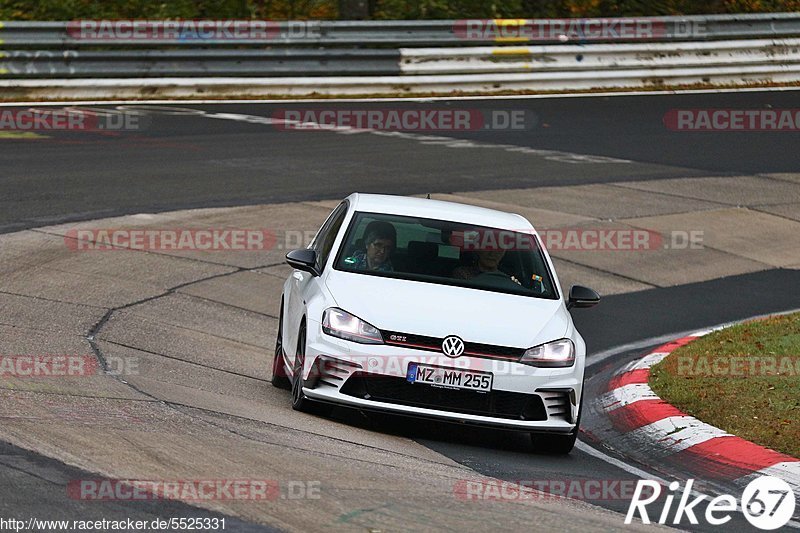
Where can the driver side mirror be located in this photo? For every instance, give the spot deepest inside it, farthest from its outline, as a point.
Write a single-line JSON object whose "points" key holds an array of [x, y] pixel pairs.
{"points": [[582, 297], [304, 259]]}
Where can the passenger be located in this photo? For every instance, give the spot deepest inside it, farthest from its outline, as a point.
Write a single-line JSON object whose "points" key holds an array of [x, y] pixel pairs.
{"points": [[380, 239]]}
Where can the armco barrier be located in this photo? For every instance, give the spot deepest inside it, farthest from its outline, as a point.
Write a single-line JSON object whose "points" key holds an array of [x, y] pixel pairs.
{"points": [[600, 58], [47, 60], [219, 87], [188, 63], [42, 35]]}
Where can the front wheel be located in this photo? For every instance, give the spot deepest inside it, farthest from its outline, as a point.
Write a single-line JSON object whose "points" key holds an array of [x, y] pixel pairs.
{"points": [[279, 378], [555, 444], [299, 400]]}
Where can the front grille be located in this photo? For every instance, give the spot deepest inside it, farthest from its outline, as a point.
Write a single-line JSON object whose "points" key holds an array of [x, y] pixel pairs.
{"points": [[434, 344], [409, 340], [500, 404], [489, 350]]}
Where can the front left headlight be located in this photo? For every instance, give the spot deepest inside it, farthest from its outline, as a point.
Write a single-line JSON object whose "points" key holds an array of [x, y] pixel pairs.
{"points": [[342, 324], [556, 354]]}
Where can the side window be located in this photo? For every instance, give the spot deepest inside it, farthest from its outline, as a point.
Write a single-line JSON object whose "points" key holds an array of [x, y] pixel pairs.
{"points": [[323, 242]]}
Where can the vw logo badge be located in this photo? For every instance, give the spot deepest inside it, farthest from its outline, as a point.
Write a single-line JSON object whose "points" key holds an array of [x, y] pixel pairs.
{"points": [[452, 346]]}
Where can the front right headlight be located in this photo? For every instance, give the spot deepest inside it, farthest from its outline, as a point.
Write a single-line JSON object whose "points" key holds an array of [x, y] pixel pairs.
{"points": [[342, 324], [556, 354]]}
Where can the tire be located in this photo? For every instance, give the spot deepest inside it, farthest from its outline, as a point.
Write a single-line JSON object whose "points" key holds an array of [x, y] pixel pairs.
{"points": [[555, 444], [279, 378], [299, 400]]}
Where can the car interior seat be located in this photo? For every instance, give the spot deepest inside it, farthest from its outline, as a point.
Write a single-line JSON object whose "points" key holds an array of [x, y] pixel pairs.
{"points": [[423, 257]]}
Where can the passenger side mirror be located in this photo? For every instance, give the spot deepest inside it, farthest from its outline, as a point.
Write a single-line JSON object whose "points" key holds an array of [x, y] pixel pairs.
{"points": [[582, 297], [304, 259]]}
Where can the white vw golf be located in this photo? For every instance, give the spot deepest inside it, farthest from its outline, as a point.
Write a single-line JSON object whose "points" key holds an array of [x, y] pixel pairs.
{"points": [[433, 309]]}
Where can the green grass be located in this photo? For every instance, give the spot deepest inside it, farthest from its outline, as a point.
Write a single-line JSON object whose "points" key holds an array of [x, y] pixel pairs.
{"points": [[727, 379]]}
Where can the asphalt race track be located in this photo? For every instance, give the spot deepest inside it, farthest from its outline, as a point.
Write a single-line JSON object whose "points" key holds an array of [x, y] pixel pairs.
{"points": [[221, 155], [193, 160]]}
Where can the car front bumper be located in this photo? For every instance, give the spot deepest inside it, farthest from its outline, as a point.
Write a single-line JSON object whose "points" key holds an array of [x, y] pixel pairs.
{"points": [[373, 377]]}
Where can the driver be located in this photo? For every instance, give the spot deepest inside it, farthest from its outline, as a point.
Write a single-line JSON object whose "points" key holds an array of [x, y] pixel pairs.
{"points": [[486, 270]]}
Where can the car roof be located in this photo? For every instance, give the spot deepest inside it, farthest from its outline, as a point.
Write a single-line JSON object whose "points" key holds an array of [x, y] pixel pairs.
{"points": [[438, 210]]}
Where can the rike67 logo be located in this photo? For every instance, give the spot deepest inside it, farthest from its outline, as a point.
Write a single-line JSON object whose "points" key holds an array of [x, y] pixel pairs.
{"points": [[768, 503]]}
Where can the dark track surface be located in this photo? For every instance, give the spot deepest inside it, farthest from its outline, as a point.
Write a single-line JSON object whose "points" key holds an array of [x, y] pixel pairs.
{"points": [[188, 161], [182, 161]]}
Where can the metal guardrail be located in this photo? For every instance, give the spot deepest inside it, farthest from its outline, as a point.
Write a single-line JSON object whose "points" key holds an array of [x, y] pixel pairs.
{"points": [[600, 57], [351, 48], [406, 85], [407, 61], [408, 33], [53, 59], [190, 63]]}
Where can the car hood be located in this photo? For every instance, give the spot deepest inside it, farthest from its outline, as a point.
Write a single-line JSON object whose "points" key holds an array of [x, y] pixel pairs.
{"points": [[441, 310]]}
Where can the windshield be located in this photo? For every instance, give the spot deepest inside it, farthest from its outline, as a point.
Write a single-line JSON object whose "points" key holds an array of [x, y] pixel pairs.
{"points": [[447, 253]]}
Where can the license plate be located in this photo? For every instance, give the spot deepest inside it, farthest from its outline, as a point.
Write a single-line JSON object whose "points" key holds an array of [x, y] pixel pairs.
{"points": [[449, 378]]}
